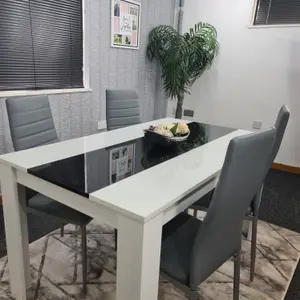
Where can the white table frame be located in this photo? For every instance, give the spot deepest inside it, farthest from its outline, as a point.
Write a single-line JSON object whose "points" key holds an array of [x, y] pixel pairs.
{"points": [[139, 239], [138, 243]]}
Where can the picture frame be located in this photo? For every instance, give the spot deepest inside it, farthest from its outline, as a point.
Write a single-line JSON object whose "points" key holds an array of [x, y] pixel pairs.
{"points": [[125, 24]]}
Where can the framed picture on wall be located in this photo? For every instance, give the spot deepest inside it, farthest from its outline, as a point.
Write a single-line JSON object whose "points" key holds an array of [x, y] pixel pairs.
{"points": [[125, 24]]}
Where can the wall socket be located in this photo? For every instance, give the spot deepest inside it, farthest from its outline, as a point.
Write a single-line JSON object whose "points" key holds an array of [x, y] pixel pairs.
{"points": [[257, 124], [188, 113], [101, 125]]}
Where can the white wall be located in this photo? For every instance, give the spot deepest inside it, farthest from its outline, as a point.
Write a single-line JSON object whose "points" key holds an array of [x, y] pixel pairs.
{"points": [[257, 70]]}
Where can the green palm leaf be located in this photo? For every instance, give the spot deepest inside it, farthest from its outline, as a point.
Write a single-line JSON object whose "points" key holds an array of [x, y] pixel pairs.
{"points": [[183, 58]]}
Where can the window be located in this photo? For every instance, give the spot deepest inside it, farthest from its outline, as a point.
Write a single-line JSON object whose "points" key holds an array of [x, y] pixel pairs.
{"points": [[41, 44], [277, 12]]}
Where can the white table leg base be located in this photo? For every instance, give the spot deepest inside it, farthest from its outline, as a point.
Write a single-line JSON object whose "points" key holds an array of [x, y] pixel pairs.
{"points": [[15, 218], [138, 258]]}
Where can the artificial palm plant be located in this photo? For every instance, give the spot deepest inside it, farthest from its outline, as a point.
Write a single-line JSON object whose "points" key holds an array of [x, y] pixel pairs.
{"points": [[183, 58]]}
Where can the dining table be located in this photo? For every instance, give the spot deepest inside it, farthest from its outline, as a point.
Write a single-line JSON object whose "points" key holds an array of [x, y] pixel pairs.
{"points": [[124, 178]]}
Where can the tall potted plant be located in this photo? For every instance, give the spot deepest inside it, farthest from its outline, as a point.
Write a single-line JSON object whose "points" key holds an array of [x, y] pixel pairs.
{"points": [[183, 58]]}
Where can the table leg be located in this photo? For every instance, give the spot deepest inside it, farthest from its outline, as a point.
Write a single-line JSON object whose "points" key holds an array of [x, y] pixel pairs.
{"points": [[16, 232], [138, 258]]}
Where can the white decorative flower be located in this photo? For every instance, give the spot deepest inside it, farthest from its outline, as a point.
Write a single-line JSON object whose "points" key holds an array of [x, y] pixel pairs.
{"points": [[169, 126], [161, 127], [163, 131], [182, 129], [165, 126]]}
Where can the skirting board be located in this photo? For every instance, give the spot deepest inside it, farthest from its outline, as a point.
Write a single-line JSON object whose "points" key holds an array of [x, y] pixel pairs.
{"points": [[286, 168]]}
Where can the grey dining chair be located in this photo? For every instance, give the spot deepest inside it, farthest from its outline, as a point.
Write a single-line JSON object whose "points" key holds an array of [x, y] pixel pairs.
{"points": [[253, 211], [191, 249], [122, 110], [31, 125]]}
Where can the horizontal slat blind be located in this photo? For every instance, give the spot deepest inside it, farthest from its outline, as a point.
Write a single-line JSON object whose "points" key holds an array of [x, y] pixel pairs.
{"points": [[41, 44], [77, 44], [277, 12], [16, 51]]}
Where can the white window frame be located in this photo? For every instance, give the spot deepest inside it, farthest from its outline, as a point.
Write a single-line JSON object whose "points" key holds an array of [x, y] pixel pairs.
{"points": [[252, 26], [86, 65]]}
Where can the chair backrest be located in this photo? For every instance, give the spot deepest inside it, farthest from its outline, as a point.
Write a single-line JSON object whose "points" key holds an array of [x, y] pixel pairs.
{"points": [[245, 167], [122, 108], [31, 122], [280, 126]]}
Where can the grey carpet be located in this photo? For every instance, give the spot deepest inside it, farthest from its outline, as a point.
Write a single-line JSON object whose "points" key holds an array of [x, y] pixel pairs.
{"points": [[281, 206]]}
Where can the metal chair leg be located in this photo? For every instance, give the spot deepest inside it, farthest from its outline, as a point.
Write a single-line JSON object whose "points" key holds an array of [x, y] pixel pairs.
{"points": [[195, 213], [84, 258], [236, 276], [116, 239], [62, 230], [253, 248], [193, 295]]}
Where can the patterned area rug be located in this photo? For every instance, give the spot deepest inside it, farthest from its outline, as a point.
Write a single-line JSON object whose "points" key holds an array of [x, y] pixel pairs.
{"points": [[56, 267]]}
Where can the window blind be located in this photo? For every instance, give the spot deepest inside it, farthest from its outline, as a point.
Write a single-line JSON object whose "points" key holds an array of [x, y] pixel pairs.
{"points": [[276, 12], [41, 44]]}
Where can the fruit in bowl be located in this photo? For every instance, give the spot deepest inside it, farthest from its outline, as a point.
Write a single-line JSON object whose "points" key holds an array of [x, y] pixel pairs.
{"points": [[172, 131]]}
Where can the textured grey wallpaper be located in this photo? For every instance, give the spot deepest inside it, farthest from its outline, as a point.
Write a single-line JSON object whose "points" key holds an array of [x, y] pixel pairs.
{"points": [[77, 114]]}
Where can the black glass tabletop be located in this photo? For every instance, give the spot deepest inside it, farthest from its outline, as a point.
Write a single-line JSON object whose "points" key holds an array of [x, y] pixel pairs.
{"points": [[91, 171]]}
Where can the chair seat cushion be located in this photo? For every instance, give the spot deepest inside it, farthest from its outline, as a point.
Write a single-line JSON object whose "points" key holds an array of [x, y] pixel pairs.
{"points": [[177, 244], [42, 204]]}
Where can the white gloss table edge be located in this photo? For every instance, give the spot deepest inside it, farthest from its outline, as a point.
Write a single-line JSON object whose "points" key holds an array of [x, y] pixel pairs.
{"points": [[138, 206]]}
